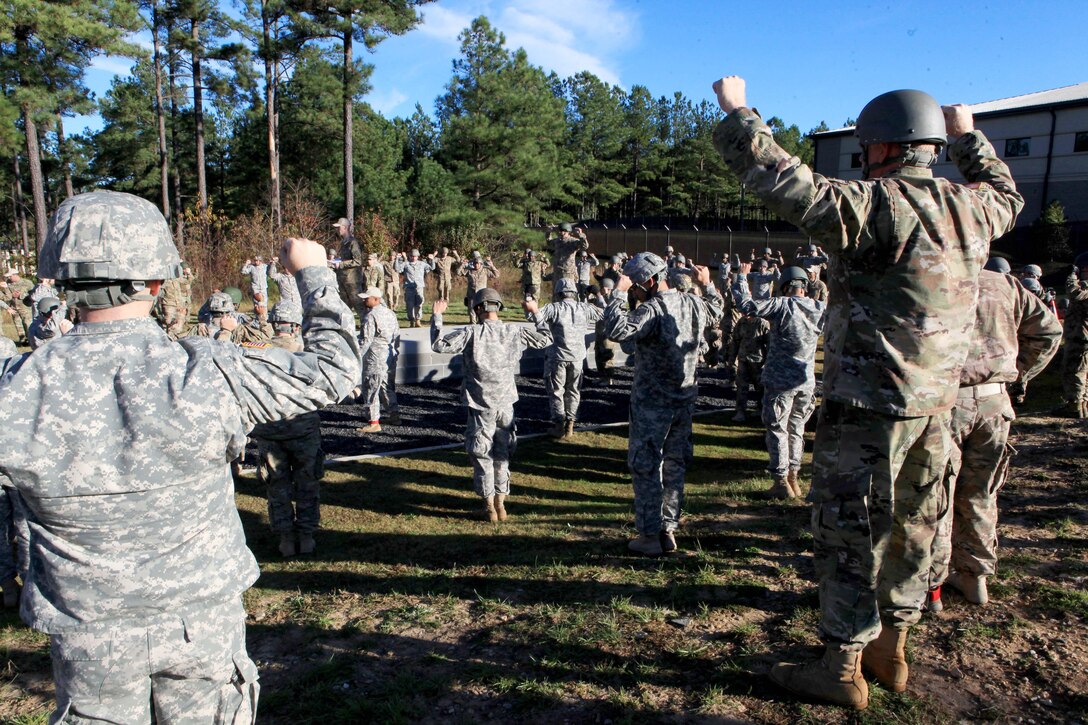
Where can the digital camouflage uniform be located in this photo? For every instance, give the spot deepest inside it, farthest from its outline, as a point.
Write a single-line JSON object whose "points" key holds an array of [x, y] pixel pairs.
{"points": [[491, 353], [604, 350], [258, 278], [14, 295], [291, 463], [532, 274], [567, 321], [443, 269], [763, 284], [789, 372], [585, 269], [415, 284], [1014, 338], [138, 559], [667, 332], [808, 261], [730, 317], [379, 334], [748, 351], [1075, 357], [47, 327], [565, 256], [287, 286], [905, 254], [477, 274]]}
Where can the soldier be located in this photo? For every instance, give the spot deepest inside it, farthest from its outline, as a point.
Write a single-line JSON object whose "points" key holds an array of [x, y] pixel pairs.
{"points": [[811, 257], [186, 282], [727, 272], [585, 265], [667, 330], [44, 288], [15, 293], [286, 284], [491, 352], [257, 269], [144, 609], [789, 373], [1014, 338], [415, 283], [764, 279], [291, 463], [604, 350], [816, 289], [905, 249], [379, 334], [168, 309], [477, 272], [49, 324], [1031, 271], [612, 271], [392, 289], [443, 264], [1075, 358], [566, 319], [564, 247], [374, 272], [748, 351], [532, 266], [226, 324], [348, 269]]}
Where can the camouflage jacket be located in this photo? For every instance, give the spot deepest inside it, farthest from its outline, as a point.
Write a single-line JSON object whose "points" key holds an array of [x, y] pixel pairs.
{"points": [[1076, 317], [667, 332], [379, 331], [44, 329], [532, 270], [565, 256], [288, 288], [817, 290], [118, 441], [751, 335], [491, 355], [905, 250], [808, 261], [186, 290], [171, 293], [443, 267], [567, 321], [16, 293], [764, 283], [1015, 334], [41, 291], [477, 275], [245, 332], [374, 275], [585, 269], [258, 276], [300, 425], [796, 323], [350, 253], [415, 273], [7, 348]]}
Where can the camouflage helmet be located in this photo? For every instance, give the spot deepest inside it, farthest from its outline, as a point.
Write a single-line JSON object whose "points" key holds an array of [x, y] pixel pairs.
{"points": [[47, 305], [679, 279], [487, 298], [643, 267], [106, 236], [235, 295], [793, 274], [904, 116], [566, 227], [1032, 285], [564, 288], [220, 303], [476, 254], [998, 264], [608, 283], [413, 253], [285, 312], [1032, 270]]}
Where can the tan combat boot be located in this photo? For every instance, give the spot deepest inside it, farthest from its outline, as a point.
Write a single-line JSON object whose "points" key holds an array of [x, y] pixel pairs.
{"points": [[490, 511], [781, 488], [646, 545], [973, 588], [11, 593], [500, 508], [306, 544], [558, 429], [568, 431], [794, 485], [835, 677], [885, 658], [287, 545], [370, 428]]}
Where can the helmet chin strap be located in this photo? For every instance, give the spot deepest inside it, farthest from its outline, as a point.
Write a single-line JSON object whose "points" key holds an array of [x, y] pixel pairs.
{"points": [[908, 156]]}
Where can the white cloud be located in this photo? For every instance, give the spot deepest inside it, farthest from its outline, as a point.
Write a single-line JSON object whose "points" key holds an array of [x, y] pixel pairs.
{"points": [[113, 64], [386, 102], [444, 24]]}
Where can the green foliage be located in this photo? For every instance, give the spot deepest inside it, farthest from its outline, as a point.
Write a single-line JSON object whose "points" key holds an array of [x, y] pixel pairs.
{"points": [[1051, 231]]}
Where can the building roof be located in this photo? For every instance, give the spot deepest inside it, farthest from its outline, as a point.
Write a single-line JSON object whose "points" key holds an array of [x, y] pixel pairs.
{"points": [[1067, 95]]}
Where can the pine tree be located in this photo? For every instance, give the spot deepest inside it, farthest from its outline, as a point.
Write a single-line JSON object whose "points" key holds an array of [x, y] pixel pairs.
{"points": [[595, 118]]}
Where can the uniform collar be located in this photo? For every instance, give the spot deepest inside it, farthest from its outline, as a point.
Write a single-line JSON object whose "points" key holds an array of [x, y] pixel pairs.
{"points": [[115, 327]]}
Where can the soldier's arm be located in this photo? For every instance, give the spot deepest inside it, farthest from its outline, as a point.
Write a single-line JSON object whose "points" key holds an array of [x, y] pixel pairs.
{"points": [[449, 344], [537, 339], [1038, 335], [1076, 289], [594, 313], [991, 188], [367, 334], [620, 324]]}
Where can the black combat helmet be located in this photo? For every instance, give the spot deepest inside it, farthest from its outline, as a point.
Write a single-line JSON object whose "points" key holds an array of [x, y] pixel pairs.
{"points": [[901, 117]]}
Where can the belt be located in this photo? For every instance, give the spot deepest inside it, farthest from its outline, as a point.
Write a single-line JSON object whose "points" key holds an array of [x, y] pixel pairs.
{"points": [[981, 391]]}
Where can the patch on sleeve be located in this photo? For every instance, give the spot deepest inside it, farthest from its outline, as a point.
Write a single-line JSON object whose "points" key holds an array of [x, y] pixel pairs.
{"points": [[255, 345]]}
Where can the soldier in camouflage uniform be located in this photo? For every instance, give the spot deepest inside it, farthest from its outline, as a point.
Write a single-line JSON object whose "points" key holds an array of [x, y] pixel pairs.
{"points": [[748, 351], [478, 272], [379, 335], [727, 272], [257, 270], [290, 461], [604, 350], [49, 324], [532, 266], [585, 264], [226, 324], [763, 279], [415, 284], [348, 271], [443, 266], [14, 293], [667, 331], [565, 247], [144, 610], [567, 320], [789, 374], [1075, 358], [286, 283], [1014, 338], [817, 290], [491, 352], [374, 272], [905, 251], [170, 308], [810, 258], [9, 564]]}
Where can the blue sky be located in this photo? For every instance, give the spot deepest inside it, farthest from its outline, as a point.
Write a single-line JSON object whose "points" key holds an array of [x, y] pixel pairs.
{"points": [[804, 61]]}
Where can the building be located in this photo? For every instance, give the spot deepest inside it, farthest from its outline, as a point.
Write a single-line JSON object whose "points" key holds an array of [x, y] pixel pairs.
{"points": [[1042, 136]]}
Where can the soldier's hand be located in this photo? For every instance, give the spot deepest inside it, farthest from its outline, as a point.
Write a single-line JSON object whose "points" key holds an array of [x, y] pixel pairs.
{"points": [[745, 268], [623, 284], [439, 307], [957, 120], [530, 306], [702, 274], [228, 322], [296, 254], [730, 92]]}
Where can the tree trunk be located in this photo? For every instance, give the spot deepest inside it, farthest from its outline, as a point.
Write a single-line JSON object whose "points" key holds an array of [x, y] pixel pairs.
{"points": [[198, 117], [160, 112], [37, 185], [20, 204], [62, 151], [349, 176], [270, 83], [175, 174]]}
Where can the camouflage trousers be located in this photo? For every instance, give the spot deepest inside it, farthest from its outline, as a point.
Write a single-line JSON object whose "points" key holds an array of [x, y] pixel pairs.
{"points": [[393, 294], [877, 494], [350, 282], [471, 312], [967, 532], [713, 354], [1075, 372], [659, 451], [785, 413], [528, 290], [21, 318], [292, 469], [445, 284], [373, 385], [748, 373], [729, 321], [604, 353], [490, 441], [563, 380], [388, 397], [191, 668], [413, 302], [175, 319]]}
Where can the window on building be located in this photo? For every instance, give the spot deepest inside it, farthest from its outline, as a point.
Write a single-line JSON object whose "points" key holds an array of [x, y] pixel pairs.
{"points": [[1080, 143], [855, 161], [1017, 147]]}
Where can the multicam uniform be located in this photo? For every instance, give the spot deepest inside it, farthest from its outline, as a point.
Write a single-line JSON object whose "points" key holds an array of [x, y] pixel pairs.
{"points": [[415, 283], [565, 256], [491, 353], [379, 334], [566, 320], [171, 304], [1075, 358], [476, 274], [532, 274], [667, 331], [349, 276], [905, 253], [789, 375], [817, 290], [748, 351], [443, 267], [136, 492], [13, 295], [1015, 336]]}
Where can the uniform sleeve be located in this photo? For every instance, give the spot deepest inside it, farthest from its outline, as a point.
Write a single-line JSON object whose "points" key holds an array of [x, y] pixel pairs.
{"points": [[367, 334], [272, 384], [534, 338], [993, 192], [1075, 289], [714, 302], [594, 313], [398, 265], [621, 324], [449, 344], [743, 301], [1038, 335]]}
